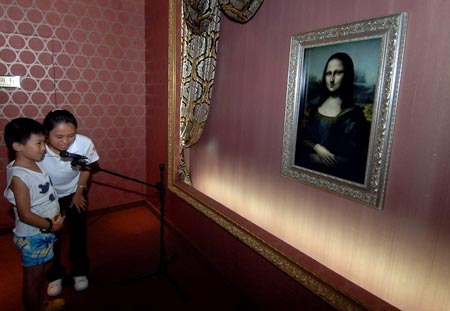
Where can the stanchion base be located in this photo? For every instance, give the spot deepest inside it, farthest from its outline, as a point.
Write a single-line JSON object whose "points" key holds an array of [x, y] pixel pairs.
{"points": [[161, 270]]}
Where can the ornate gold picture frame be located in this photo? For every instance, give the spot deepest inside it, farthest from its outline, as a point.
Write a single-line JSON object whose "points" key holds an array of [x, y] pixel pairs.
{"points": [[341, 102]]}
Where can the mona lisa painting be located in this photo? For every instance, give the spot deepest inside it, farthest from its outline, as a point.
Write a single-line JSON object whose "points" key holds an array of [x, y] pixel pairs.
{"points": [[340, 107]]}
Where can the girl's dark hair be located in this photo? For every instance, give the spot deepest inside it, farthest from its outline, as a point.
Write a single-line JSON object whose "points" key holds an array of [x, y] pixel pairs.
{"points": [[56, 117], [19, 131], [346, 90]]}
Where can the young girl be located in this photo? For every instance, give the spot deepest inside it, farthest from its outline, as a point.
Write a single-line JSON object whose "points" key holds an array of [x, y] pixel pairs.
{"points": [[36, 208], [70, 182]]}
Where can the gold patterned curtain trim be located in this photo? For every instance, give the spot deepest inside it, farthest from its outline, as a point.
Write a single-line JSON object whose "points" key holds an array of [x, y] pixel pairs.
{"points": [[240, 11], [200, 40]]}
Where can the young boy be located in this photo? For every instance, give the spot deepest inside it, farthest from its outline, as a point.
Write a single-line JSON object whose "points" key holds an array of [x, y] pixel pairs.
{"points": [[36, 209]]}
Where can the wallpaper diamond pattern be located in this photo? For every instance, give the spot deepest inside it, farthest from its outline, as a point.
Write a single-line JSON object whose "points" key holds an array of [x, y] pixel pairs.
{"points": [[87, 57]]}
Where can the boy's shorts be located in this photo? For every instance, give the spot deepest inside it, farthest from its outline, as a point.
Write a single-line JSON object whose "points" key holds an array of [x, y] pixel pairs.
{"points": [[36, 249]]}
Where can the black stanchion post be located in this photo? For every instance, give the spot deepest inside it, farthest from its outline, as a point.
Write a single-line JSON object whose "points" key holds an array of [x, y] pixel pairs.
{"points": [[164, 262]]}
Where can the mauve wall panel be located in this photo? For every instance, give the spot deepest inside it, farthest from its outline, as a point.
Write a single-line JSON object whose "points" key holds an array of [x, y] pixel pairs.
{"points": [[399, 254]]}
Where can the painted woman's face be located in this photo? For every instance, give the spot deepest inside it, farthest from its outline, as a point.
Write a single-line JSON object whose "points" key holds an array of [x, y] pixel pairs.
{"points": [[61, 137], [334, 75]]}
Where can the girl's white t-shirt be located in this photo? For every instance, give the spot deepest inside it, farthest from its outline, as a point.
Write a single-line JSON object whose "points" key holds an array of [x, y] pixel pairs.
{"points": [[65, 176]]}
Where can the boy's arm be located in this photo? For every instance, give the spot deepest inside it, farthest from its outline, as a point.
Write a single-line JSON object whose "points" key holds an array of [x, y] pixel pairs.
{"points": [[22, 197]]}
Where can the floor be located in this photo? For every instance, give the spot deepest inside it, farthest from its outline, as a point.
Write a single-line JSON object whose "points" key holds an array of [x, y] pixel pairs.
{"points": [[129, 271]]}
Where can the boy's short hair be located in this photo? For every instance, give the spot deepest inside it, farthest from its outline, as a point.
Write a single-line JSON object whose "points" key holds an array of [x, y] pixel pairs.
{"points": [[19, 130]]}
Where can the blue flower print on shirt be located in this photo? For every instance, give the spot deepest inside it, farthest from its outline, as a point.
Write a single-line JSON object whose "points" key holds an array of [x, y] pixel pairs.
{"points": [[44, 188]]}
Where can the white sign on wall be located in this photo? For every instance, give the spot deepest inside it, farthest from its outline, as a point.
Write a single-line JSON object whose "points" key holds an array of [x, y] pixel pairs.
{"points": [[9, 81]]}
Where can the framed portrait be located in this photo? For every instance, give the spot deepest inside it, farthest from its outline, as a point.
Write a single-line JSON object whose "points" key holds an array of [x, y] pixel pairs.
{"points": [[341, 102]]}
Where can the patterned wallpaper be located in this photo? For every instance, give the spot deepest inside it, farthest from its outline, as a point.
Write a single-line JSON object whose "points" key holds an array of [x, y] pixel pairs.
{"points": [[87, 57]]}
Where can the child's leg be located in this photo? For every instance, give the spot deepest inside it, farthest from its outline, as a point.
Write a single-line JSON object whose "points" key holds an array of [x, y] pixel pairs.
{"points": [[32, 287], [56, 269], [76, 223], [37, 250]]}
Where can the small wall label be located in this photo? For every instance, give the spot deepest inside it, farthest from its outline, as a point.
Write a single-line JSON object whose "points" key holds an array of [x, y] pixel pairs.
{"points": [[9, 81]]}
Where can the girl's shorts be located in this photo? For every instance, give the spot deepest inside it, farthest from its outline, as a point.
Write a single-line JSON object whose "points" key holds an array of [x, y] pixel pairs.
{"points": [[36, 249]]}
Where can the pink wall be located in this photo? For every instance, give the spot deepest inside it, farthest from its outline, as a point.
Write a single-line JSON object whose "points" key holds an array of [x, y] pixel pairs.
{"points": [[405, 248], [156, 37], [400, 254], [87, 57]]}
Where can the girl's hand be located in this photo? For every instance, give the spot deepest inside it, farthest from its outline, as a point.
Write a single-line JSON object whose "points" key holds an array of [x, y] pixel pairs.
{"points": [[79, 202]]}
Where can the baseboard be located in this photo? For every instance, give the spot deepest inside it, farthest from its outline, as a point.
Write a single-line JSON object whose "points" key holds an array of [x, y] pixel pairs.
{"points": [[115, 208]]}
